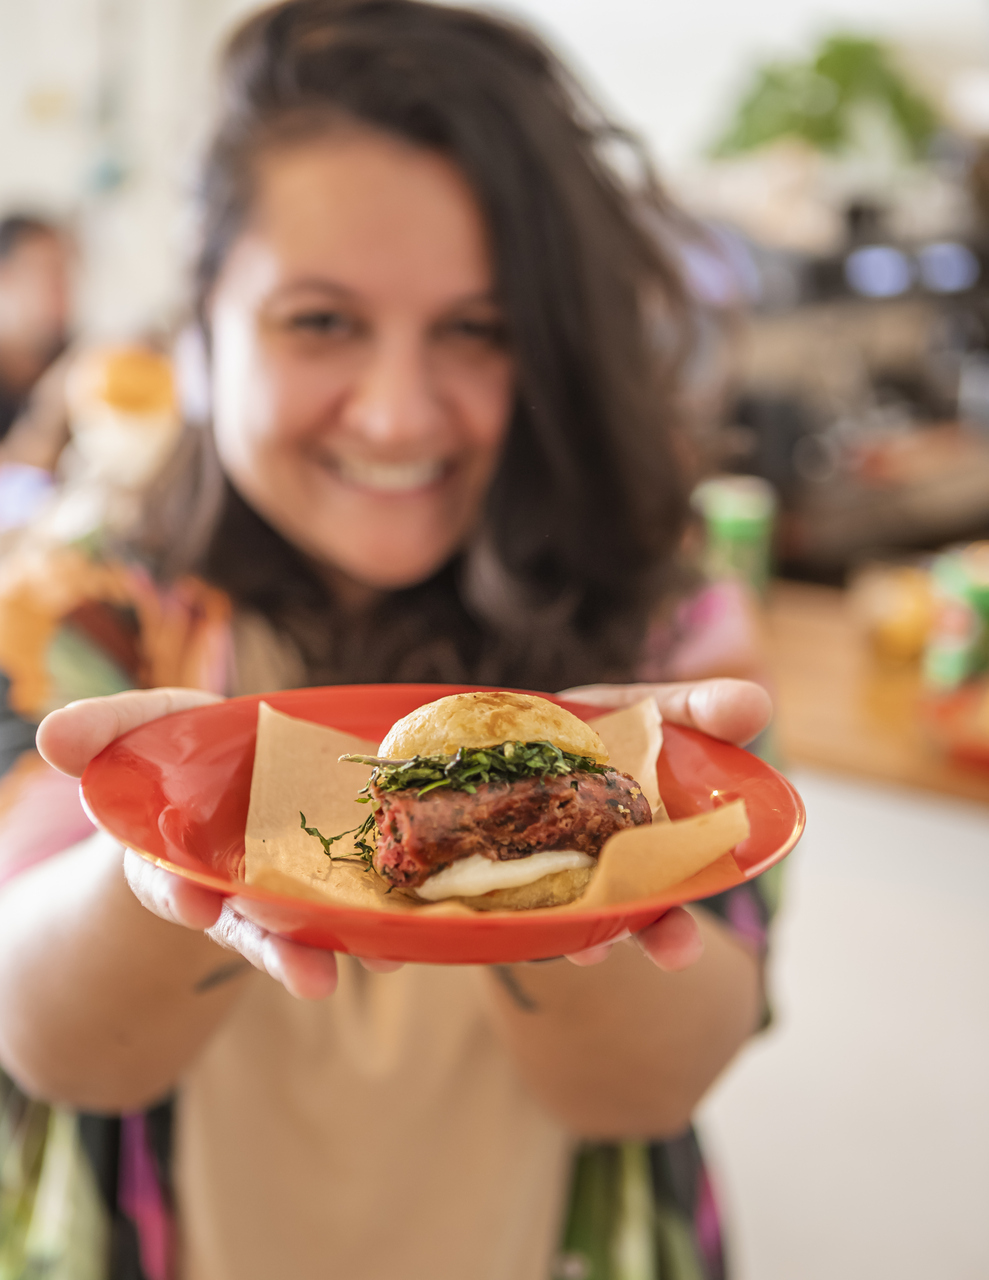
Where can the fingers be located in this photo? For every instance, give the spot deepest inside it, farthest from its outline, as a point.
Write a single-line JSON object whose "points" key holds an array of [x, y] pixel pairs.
{"points": [[70, 737], [610, 695], [674, 942], [304, 972], [169, 896], [594, 955], [380, 966], [734, 710]]}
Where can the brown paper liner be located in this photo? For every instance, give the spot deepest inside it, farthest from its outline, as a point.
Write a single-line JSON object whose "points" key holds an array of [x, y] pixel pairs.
{"points": [[642, 862], [297, 769]]}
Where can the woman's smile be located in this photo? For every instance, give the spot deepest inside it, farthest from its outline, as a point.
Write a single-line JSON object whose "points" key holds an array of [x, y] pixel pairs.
{"points": [[390, 479]]}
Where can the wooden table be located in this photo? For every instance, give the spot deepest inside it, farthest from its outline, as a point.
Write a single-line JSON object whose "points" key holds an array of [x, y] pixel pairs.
{"points": [[839, 707]]}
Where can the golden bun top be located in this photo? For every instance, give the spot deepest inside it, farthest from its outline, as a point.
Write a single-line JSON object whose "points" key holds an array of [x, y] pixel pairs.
{"points": [[440, 728]]}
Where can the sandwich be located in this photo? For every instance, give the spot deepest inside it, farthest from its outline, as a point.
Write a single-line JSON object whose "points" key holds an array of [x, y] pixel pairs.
{"points": [[500, 800]]}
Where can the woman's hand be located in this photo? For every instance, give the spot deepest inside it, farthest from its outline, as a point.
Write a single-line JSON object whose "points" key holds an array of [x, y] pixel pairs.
{"points": [[734, 710], [69, 738]]}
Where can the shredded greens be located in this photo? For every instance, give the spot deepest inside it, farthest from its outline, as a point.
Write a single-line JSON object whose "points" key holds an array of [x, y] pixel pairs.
{"points": [[470, 768], [473, 766], [365, 851]]}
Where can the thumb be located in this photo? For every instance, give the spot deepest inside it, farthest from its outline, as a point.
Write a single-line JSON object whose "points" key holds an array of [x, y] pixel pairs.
{"points": [[70, 737]]}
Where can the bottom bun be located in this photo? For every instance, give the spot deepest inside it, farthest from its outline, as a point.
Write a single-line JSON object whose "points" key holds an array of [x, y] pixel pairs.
{"points": [[554, 890]]}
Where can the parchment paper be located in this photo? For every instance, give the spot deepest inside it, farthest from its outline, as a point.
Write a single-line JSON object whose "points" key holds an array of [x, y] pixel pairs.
{"points": [[297, 769]]}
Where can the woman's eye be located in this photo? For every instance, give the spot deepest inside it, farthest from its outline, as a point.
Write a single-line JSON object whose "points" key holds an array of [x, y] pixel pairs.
{"points": [[490, 332], [322, 322]]}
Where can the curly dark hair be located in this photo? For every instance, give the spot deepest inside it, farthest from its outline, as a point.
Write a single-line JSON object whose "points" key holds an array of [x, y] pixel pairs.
{"points": [[581, 527]]}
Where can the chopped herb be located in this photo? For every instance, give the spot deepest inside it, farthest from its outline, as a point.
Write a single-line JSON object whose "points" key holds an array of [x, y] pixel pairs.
{"points": [[365, 850], [471, 767]]}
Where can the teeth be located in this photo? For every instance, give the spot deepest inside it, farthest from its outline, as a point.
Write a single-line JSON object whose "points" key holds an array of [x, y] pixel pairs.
{"points": [[390, 477]]}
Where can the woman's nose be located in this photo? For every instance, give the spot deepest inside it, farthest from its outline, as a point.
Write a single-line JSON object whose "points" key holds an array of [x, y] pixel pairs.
{"points": [[392, 400]]}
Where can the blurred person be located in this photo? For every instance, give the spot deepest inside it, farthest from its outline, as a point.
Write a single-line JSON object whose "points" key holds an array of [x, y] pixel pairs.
{"points": [[440, 446], [35, 306], [35, 316]]}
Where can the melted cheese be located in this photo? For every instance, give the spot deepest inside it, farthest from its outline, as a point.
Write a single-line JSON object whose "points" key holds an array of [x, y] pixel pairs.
{"points": [[478, 874]]}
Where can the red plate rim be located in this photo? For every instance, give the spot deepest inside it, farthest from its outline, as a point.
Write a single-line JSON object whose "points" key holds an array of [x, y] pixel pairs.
{"points": [[97, 780]]}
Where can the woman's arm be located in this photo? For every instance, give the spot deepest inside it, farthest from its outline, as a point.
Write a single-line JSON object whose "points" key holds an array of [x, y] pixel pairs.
{"points": [[626, 1043], [103, 1003], [622, 1049]]}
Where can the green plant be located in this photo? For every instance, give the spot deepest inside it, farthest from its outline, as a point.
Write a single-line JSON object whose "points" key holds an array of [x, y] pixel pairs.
{"points": [[817, 100]]}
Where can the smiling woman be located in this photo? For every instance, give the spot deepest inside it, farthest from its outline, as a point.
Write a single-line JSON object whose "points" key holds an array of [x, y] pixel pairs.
{"points": [[443, 356], [432, 309]]}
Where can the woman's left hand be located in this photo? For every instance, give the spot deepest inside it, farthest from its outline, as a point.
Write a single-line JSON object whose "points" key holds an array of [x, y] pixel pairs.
{"points": [[733, 710]]}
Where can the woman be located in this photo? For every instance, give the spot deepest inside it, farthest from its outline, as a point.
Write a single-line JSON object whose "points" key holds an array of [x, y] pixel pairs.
{"points": [[443, 356]]}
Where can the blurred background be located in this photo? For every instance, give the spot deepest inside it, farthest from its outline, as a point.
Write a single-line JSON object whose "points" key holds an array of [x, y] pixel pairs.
{"points": [[835, 155]]}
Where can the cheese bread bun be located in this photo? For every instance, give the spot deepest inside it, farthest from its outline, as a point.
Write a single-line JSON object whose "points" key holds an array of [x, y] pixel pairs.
{"points": [[442, 727]]}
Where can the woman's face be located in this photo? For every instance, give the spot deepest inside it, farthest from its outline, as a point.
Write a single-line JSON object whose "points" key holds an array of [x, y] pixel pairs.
{"points": [[362, 384]]}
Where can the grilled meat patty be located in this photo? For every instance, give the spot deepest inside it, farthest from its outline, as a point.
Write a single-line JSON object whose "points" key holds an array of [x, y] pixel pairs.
{"points": [[502, 820]]}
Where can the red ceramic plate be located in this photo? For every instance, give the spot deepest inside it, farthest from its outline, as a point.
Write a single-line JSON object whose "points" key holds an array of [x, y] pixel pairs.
{"points": [[196, 767]]}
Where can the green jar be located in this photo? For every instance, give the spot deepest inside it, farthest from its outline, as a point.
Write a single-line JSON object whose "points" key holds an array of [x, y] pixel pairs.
{"points": [[738, 513]]}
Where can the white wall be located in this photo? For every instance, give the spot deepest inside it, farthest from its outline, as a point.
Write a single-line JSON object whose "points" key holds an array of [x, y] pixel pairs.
{"points": [[670, 68]]}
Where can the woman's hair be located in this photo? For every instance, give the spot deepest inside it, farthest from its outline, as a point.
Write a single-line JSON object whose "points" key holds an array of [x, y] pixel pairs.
{"points": [[579, 534]]}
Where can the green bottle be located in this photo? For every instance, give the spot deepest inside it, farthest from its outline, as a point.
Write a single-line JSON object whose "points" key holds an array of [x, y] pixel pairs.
{"points": [[738, 514]]}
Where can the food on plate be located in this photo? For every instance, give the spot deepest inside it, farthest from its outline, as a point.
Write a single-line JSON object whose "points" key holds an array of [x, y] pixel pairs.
{"points": [[503, 800], [307, 765]]}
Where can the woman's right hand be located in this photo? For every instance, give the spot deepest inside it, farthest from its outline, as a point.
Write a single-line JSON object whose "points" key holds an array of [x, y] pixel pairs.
{"points": [[69, 738]]}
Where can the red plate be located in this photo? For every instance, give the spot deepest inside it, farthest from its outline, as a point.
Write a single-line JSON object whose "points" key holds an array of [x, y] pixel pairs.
{"points": [[199, 763]]}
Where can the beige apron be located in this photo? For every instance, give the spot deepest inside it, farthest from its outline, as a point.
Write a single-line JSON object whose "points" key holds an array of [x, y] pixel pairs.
{"points": [[382, 1134]]}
